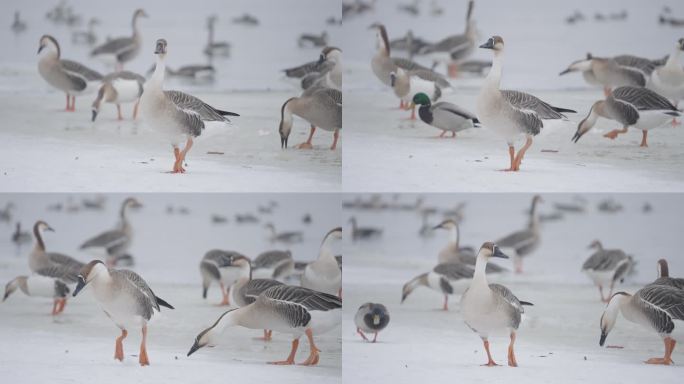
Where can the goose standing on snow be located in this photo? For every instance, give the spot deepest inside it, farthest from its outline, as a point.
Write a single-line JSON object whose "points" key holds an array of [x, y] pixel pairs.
{"points": [[73, 78], [311, 40], [611, 72], [125, 298], [606, 267], [322, 108], [222, 267], [273, 265], [121, 50], [330, 76], [89, 36], [311, 68], [659, 308], [408, 84], [283, 308], [524, 241], [511, 113], [664, 276], [215, 48], [489, 308], [454, 253], [635, 107], [175, 114], [444, 115], [20, 237], [371, 318], [324, 274], [446, 278], [363, 233], [117, 88], [284, 237], [456, 48], [39, 286], [115, 242], [18, 25], [668, 80]]}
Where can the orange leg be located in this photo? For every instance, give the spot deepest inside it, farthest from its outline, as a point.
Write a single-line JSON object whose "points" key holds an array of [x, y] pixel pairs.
{"points": [[607, 91], [290, 358], [517, 262], [176, 154], [446, 303], [358, 330], [118, 110], [118, 352], [267, 335], [452, 70], [521, 153], [226, 296], [615, 132], [336, 135], [511, 354], [54, 307], [135, 109], [413, 113], [401, 104], [61, 305], [667, 359], [603, 299], [490, 362], [307, 144], [313, 354], [67, 109], [442, 134], [184, 152], [73, 103], [143, 359], [511, 154], [643, 139]]}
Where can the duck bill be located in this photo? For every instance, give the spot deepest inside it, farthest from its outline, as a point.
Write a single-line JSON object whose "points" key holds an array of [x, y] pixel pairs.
{"points": [[488, 45], [81, 284], [497, 253], [193, 349], [564, 72], [602, 340]]}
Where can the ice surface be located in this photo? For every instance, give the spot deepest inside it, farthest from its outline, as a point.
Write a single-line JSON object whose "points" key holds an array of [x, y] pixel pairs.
{"points": [[558, 339], [79, 345]]}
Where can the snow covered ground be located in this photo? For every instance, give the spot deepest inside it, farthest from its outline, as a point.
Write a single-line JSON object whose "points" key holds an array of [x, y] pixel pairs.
{"points": [[539, 44], [110, 156], [168, 248], [558, 339]]}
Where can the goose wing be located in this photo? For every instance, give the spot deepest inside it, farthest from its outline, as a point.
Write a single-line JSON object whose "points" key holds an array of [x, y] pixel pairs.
{"points": [[255, 287], [294, 303], [62, 273], [192, 105], [517, 239], [108, 239], [527, 103], [114, 46], [271, 258], [77, 69], [454, 271], [431, 76], [661, 304], [64, 260], [642, 98], [507, 296], [140, 290], [408, 65], [644, 65]]}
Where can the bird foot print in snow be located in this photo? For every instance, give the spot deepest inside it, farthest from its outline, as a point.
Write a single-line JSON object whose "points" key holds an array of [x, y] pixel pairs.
{"points": [[305, 146]]}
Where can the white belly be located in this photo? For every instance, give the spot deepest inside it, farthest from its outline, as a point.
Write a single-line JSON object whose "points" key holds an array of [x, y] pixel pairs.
{"points": [[41, 286], [127, 90], [603, 278], [324, 321], [652, 119]]}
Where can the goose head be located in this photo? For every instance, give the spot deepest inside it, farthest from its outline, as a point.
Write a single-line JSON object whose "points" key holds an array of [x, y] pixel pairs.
{"points": [[42, 226], [131, 202], [207, 338], [489, 250], [579, 65], [285, 123], [588, 122], [333, 234], [139, 13], [89, 272], [596, 244], [680, 44], [47, 41], [494, 43], [609, 316], [332, 54], [160, 48], [446, 224], [381, 38], [12, 286], [663, 270]]}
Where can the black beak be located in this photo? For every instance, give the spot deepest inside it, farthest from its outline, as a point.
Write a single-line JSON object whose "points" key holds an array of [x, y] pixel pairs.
{"points": [[576, 139], [564, 72], [40, 48], [321, 60], [159, 49], [194, 348], [81, 284], [204, 292], [488, 45], [94, 115], [603, 338], [7, 293], [438, 226], [393, 79], [283, 142], [49, 229], [403, 297], [497, 253]]}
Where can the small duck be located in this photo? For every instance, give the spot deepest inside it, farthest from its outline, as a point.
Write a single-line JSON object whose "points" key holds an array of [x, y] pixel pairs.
{"points": [[284, 237], [446, 278], [606, 267], [444, 115], [371, 318]]}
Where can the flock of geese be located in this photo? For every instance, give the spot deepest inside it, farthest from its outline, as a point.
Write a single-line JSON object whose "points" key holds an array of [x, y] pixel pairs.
{"points": [[271, 292], [489, 307], [178, 116], [640, 93]]}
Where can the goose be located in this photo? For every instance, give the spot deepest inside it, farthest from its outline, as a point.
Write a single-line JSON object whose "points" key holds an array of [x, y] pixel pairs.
{"points": [[668, 80], [363, 233], [18, 25], [323, 274], [446, 278], [489, 308], [117, 88], [51, 264], [115, 242], [635, 107], [39, 286], [70, 77], [222, 267], [88, 36], [176, 114], [215, 48], [20, 237], [245, 290], [321, 108], [659, 308], [524, 241], [121, 50], [383, 65], [454, 253], [409, 43], [125, 298], [411, 9], [285, 237], [312, 67], [273, 264], [371, 318], [444, 115], [456, 48], [610, 72], [511, 113], [606, 267], [330, 76], [426, 229], [282, 308], [664, 276], [408, 84], [247, 218], [246, 19], [307, 39], [190, 71], [6, 213]]}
